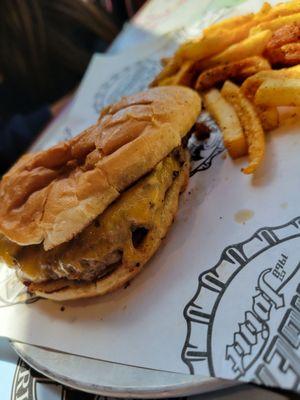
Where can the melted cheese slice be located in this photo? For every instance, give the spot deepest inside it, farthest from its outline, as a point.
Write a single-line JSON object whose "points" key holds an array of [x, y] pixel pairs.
{"points": [[139, 206]]}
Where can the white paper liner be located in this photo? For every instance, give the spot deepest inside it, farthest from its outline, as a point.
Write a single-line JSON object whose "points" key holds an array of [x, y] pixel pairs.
{"points": [[221, 297]]}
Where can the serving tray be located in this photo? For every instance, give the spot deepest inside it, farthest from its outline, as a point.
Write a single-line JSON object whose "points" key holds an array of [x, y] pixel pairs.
{"points": [[115, 380]]}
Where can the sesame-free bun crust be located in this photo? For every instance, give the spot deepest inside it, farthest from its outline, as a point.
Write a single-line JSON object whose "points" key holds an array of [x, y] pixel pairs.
{"points": [[152, 202], [50, 196]]}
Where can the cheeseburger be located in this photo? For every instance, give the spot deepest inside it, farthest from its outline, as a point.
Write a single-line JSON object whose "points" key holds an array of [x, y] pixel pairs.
{"points": [[82, 218]]}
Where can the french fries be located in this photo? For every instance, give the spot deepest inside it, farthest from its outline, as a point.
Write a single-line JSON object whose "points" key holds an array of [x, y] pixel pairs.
{"points": [[291, 52], [229, 23], [251, 46], [172, 66], [227, 119], [164, 61], [278, 92], [276, 23], [209, 45], [184, 75], [268, 115], [220, 36], [243, 49], [250, 123], [279, 10], [283, 47], [237, 69], [251, 84]]}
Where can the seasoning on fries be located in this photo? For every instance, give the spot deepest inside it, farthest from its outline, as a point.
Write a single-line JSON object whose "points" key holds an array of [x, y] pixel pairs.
{"points": [[228, 121], [250, 123], [261, 53]]}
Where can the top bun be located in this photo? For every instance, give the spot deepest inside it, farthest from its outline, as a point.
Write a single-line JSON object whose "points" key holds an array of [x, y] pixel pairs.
{"points": [[50, 196]]}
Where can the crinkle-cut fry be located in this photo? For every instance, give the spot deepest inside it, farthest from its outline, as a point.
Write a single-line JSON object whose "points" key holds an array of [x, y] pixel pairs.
{"points": [[250, 123], [251, 46], [237, 69], [268, 115], [279, 92], [227, 119], [276, 23]]}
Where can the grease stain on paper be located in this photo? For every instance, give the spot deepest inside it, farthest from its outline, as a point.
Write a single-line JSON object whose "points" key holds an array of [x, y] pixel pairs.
{"points": [[243, 216]]}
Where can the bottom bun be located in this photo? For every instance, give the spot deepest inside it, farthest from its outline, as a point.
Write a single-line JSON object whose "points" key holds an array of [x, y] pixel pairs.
{"points": [[163, 185]]}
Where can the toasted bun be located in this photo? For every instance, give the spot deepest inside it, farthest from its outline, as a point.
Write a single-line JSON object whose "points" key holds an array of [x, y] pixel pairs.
{"points": [[162, 190], [50, 196]]}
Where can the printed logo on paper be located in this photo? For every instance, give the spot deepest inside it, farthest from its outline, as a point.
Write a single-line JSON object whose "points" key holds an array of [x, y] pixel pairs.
{"points": [[203, 152], [132, 79], [244, 320]]}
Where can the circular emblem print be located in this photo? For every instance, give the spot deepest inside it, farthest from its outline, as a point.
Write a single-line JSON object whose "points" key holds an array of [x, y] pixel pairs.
{"points": [[131, 79], [244, 320]]}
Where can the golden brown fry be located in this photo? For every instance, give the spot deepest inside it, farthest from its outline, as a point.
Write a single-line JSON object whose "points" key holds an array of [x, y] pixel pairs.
{"points": [[251, 84], [265, 14], [276, 23], [227, 119], [278, 92], [268, 13], [229, 23], [230, 31], [265, 10], [185, 75], [237, 69], [279, 49], [169, 69], [250, 123], [169, 81], [268, 115], [165, 60], [251, 46], [291, 72], [291, 53], [258, 63], [214, 43]]}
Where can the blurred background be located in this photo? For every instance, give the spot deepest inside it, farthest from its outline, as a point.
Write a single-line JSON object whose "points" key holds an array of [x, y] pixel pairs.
{"points": [[45, 47]]}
